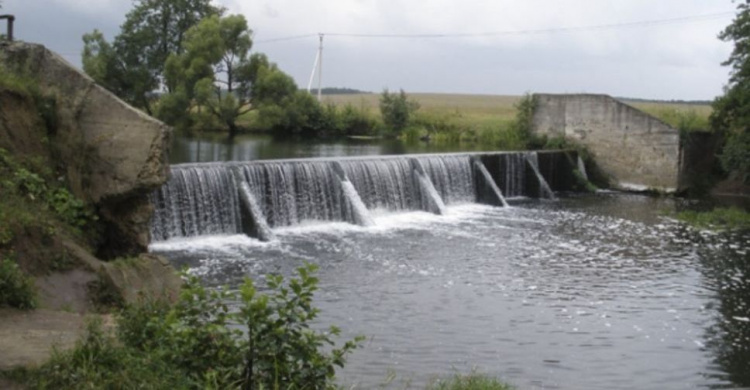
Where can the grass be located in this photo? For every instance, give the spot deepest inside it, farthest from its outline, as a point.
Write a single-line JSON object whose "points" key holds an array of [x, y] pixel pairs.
{"points": [[719, 218], [477, 109], [686, 117], [473, 381], [491, 109]]}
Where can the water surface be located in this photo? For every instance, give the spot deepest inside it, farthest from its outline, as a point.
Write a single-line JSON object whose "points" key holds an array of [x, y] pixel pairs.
{"points": [[587, 292]]}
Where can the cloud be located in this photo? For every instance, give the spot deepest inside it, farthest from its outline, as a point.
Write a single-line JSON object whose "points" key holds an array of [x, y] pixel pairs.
{"points": [[664, 60]]}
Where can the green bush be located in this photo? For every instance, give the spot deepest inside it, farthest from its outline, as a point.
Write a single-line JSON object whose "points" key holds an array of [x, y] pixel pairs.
{"points": [[198, 343], [16, 289], [396, 110]]}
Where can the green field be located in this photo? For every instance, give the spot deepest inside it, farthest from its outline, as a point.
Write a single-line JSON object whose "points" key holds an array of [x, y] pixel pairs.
{"points": [[486, 110]]}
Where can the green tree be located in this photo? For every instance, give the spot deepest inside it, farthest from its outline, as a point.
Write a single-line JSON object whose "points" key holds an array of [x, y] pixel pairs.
{"points": [[216, 76], [132, 66], [396, 110], [731, 115]]}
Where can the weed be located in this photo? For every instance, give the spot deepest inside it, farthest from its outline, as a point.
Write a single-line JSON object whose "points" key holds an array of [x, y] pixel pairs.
{"points": [[472, 381], [719, 218], [16, 289]]}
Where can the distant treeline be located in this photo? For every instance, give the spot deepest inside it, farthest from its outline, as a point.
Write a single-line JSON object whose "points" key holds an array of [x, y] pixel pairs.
{"points": [[338, 91], [694, 102]]}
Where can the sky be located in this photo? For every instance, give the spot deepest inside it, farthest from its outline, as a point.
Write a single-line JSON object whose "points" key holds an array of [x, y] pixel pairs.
{"points": [[665, 49]]}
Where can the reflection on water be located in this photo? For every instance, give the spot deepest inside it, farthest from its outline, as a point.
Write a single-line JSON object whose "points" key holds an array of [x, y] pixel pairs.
{"points": [[725, 258], [206, 148], [590, 292]]}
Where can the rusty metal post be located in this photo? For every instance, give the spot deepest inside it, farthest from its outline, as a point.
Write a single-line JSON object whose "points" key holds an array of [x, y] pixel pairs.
{"points": [[11, 19]]}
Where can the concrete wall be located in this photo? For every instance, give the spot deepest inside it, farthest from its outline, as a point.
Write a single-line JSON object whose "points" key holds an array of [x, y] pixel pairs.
{"points": [[112, 154], [636, 150]]}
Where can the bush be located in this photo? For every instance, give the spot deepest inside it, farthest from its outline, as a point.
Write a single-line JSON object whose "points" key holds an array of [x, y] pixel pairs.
{"points": [[396, 110], [16, 289], [198, 344]]}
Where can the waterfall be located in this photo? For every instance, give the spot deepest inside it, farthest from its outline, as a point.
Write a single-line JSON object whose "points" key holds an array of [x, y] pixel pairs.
{"points": [[256, 226], [359, 210], [430, 196], [197, 200], [582, 168], [544, 189], [499, 199], [256, 197]]}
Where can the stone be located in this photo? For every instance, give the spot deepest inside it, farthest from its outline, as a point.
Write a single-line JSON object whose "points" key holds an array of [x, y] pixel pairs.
{"points": [[113, 154]]}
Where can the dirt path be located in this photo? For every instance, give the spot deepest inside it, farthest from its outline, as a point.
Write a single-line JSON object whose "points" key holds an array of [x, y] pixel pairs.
{"points": [[27, 337]]}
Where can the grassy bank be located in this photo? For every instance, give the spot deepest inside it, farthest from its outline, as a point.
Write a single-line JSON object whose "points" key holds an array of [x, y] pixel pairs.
{"points": [[719, 218]]}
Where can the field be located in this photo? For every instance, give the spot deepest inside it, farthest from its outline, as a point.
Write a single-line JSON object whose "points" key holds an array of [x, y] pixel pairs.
{"points": [[488, 110]]}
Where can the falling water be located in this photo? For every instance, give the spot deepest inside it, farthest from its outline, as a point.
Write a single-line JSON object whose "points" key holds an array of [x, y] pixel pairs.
{"points": [[544, 189], [258, 196]]}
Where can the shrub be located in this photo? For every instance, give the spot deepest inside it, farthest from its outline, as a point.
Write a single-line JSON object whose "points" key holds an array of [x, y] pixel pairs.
{"points": [[16, 289], [198, 344], [396, 110]]}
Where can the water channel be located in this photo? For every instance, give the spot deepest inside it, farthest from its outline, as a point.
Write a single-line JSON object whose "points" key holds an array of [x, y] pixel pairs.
{"points": [[583, 292]]}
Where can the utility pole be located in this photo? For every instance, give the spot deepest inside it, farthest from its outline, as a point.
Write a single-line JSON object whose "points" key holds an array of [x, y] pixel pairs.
{"points": [[320, 69], [12, 18]]}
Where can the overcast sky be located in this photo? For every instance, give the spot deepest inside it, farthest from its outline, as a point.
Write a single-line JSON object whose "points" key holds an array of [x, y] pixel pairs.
{"points": [[665, 60]]}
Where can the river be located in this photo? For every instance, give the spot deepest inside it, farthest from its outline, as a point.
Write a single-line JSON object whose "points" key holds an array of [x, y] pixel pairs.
{"points": [[584, 292]]}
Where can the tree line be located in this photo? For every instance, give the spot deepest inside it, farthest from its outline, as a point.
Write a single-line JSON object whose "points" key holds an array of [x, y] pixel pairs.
{"points": [[189, 64]]}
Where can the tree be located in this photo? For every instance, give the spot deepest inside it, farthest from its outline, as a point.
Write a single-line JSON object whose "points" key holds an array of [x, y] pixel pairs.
{"points": [[216, 76], [731, 115], [396, 110], [133, 66]]}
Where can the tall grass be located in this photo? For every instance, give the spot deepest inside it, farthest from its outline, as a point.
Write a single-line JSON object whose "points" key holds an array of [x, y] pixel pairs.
{"points": [[473, 381]]}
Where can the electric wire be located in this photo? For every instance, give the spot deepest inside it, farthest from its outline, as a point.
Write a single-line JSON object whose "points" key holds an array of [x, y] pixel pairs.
{"points": [[643, 23]]}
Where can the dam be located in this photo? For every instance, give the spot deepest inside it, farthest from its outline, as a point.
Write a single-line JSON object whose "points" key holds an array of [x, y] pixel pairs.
{"points": [[251, 197]]}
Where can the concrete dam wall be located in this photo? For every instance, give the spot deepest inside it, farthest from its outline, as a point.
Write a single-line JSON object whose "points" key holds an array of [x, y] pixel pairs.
{"points": [[636, 150]]}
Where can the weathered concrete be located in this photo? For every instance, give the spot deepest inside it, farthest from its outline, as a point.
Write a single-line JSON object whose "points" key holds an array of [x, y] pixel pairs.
{"points": [[113, 154], [636, 150]]}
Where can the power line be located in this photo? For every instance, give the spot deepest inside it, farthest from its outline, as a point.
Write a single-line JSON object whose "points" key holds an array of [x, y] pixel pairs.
{"points": [[643, 23]]}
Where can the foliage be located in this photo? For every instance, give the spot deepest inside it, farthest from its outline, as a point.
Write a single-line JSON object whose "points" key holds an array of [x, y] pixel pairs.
{"points": [[99, 361], [198, 344], [216, 76], [472, 381], [132, 66], [736, 154], [34, 187], [731, 114], [718, 218], [214, 71], [522, 123], [396, 110], [16, 289]]}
